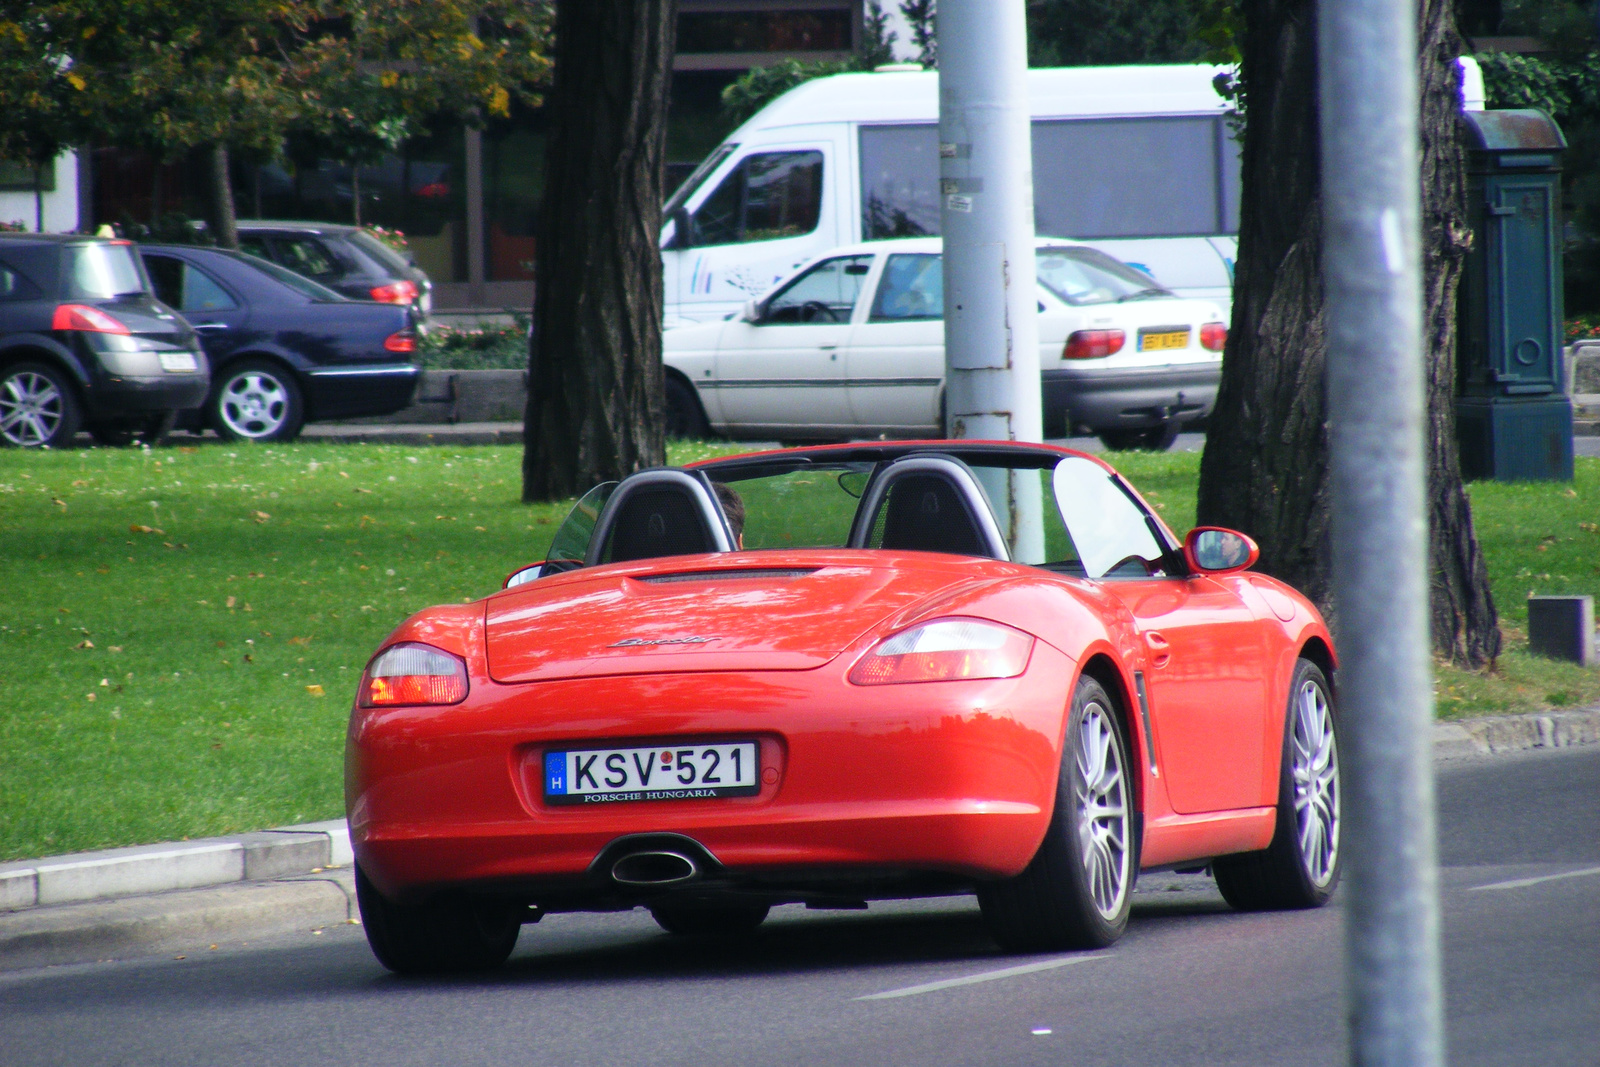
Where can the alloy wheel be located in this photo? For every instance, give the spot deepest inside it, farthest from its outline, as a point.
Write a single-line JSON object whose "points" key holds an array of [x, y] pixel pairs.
{"points": [[31, 409], [254, 404], [1102, 811], [1314, 765]]}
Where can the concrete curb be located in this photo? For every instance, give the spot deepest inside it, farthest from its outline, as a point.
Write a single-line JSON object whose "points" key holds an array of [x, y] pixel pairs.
{"points": [[142, 869], [164, 922], [1516, 733]]}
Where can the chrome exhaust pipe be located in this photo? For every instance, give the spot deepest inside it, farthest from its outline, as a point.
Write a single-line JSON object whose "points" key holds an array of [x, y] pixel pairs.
{"points": [[655, 869]]}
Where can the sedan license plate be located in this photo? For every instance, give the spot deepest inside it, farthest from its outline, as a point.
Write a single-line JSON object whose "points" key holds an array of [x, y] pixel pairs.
{"points": [[179, 361], [1155, 340], [660, 772]]}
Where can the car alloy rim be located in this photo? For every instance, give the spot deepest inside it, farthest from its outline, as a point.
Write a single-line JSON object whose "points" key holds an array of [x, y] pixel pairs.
{"points": [[30, 409], [1315, 768], [254, 404], [1102, 811]]}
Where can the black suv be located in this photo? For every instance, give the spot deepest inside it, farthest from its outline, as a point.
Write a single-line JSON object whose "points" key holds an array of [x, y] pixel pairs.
{"points": [[84, 344], [347, 259]]}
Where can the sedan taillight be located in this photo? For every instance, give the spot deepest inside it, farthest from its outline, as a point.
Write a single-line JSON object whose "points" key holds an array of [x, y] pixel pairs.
{"points": [[85, 318], [1092, 344], [1213, 336], [404, 341], [396, 293], [413, 674]]}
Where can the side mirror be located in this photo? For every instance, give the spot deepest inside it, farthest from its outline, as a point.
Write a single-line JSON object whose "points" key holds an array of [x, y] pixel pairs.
{"points": [[1213, 550], [523, 575], [753, 311], [681, 232]]}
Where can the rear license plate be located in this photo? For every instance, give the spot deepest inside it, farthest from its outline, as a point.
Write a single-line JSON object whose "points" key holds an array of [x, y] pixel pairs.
{"points": [[179, 361], [1159, 339], [660, 772]]}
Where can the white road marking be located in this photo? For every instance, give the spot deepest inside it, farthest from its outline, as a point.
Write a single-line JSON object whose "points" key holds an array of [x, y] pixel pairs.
{"points": [[1522, 883], [974, 979]]}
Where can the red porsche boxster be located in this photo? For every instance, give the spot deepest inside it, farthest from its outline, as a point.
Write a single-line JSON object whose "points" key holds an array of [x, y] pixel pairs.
{"points": [[836, 674]]}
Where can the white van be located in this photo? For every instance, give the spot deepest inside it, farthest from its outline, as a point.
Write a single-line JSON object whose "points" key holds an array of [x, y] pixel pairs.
{"points": [[1138, 161]]}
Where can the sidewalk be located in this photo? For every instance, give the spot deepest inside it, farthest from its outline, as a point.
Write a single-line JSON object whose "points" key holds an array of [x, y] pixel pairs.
{"points": [[178, 897]]}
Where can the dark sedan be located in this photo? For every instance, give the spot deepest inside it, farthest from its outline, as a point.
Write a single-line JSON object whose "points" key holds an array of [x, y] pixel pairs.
{"points": [[284, 350], [83, 344], [347, 259]]}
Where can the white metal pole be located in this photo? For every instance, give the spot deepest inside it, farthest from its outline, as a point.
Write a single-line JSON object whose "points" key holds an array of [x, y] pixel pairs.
{"points": [[991, 326], [1367, 57]]}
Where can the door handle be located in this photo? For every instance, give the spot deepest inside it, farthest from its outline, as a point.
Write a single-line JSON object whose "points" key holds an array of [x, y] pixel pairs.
{"points": [[1160, 649], [827, 348], [210, 325]]}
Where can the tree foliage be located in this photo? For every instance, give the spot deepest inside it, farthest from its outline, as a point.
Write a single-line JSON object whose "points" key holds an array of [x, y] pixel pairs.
{"points": [[1077, 33]]}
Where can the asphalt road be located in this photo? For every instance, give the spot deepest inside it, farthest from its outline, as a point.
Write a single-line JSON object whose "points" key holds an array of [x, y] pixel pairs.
{"points": [[1192, 983]]}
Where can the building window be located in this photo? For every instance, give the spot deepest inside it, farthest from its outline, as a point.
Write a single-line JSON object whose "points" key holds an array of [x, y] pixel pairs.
{"points": [[764, 31]]}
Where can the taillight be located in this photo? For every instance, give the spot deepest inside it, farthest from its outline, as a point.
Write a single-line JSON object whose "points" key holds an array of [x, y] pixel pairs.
{"points": [[85, 318], [1213, 336], [404, 341], [946, 650], [1092, 344], [396, 293], [413, 674]]}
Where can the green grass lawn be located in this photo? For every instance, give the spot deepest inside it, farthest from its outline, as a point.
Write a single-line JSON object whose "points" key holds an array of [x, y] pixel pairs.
{"points": [[181, 630]]}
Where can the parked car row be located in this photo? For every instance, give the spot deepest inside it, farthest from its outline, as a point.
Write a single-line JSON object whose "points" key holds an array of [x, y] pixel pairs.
{"points": [[128, 341]]}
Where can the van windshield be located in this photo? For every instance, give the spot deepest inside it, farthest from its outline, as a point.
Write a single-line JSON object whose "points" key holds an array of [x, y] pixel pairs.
{"points": [[696, 178]]}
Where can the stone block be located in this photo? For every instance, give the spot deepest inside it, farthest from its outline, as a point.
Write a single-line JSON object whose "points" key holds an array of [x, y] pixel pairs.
{"points": [[1562, 627]]}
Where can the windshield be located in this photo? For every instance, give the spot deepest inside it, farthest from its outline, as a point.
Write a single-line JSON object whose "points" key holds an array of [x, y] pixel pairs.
{"points": [[571, 543], [693, 181], [303, 286], [102, 272], [1087, 276]]}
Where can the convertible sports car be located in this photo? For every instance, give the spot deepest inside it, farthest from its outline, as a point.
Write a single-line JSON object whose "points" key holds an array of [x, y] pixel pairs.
{"points": [[835, 674]]}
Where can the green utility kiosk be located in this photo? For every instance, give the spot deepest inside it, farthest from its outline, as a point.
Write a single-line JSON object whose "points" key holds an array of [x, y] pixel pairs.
{"points": [[1513, 419]]}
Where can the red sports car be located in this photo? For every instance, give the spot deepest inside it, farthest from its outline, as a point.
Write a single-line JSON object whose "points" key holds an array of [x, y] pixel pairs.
{"points": [[836, 674]]}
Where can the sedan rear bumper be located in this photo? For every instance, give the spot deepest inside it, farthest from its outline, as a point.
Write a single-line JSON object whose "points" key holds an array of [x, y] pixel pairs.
{"points": [[1110, 398], [354, 391]]}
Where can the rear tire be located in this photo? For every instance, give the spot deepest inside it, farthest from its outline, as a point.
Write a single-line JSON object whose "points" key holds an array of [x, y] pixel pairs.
{"points": [[444, 935], [1077, 891], [685, 417], [256, 400], [38, 408], [709, 918], [1300, 869], [1150, 439]]}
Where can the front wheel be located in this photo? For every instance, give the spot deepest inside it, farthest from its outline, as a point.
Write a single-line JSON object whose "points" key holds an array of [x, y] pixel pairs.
{"points": [[1301, 867], [38, 408], [256, 401], [685, 419], [1077, 891], [443, 935]]}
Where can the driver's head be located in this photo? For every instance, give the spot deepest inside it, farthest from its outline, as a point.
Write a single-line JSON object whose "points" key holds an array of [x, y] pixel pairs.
{"points": [[733, 508]]}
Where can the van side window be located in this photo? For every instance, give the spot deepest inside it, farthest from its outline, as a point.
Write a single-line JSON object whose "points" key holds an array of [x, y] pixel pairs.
{"points": [[912, 287], [767, 196], [899, 181], [1124, 177]]}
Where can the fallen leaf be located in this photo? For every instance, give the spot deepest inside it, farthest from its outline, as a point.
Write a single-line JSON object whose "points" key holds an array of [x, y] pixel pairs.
{"points": [[231, 602], [299, 640], [57, 500], [361, 490], [114, 648], [102, 570], [106, 682], [481, 529], [65, 611], [88, 696], [314, 690], [248, 658], [85, 643], [262, 516], [140, 528]]}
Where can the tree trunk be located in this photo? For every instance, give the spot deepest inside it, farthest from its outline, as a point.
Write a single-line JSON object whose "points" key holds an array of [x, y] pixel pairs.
{"points": [[1265, 467], [595, 405], [220, 213]]}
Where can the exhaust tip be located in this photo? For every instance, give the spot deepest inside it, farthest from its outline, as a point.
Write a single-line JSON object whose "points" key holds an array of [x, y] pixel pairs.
{"points": [[654, 869]]}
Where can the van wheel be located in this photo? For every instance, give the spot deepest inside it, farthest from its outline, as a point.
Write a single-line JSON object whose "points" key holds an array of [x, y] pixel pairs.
{"points": [[685, 417], [1150, 439], [256, 401], [38, 408]]}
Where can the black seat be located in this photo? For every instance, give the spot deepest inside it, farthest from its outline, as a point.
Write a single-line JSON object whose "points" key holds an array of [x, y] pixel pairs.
{"points": [[924, 513], [656, 513]]}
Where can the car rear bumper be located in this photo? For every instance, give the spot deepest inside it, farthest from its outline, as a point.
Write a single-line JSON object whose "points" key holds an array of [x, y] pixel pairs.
{"points": [[354, 391], [954, 780], [122, 395], [1108, 398]]}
